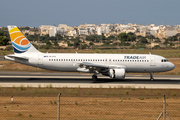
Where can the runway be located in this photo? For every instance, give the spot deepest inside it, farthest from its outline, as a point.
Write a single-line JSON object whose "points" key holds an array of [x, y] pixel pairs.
{"points": [[83, 80], [2, 58]]}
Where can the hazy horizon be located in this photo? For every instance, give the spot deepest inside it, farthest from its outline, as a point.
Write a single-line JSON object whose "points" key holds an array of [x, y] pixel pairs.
{"points": [[73, 13]]}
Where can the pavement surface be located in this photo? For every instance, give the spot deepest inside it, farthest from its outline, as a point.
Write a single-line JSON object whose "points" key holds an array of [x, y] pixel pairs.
{"points": [[83, 80], [2, 58]]}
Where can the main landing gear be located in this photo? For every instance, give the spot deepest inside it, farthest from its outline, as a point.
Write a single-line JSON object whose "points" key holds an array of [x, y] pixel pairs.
{"points": [[151, 76], [94, 77]]}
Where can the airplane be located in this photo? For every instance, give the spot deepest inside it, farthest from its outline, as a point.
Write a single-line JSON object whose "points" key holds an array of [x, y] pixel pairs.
{"points": [[113, 65]]}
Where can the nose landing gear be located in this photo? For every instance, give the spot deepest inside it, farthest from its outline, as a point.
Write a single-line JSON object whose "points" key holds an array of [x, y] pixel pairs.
{"points": [[151, 76]]}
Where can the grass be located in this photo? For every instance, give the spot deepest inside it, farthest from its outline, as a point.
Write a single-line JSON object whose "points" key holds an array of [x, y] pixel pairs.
{"points": [[97, 108], [21, 87], [127, 92], [173, 94], [19, 114], [141, 98], [39, 86], [88, 92]]}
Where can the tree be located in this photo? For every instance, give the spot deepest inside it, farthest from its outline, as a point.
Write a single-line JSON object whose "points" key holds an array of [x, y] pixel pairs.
{"points": [[111, 38], [150, 37], [77, 42], [143, 40], [56, 43], [84, 46], [3, 41], [124, 37], [103, 37], [90, 44]]}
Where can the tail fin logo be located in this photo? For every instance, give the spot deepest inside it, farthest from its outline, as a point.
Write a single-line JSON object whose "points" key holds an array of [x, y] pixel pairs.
{"points": [[20, 43]]}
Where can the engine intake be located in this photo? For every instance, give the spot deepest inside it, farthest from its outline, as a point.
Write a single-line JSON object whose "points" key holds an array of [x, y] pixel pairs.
{"points": [[117, 73]]}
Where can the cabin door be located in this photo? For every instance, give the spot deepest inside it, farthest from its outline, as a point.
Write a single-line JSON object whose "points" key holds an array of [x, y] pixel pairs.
{"points": [[153, 61], [40, 60]]}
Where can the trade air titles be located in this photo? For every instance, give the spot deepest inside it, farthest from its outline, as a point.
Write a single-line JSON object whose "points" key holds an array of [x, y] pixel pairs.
{"points": [[134, 57]]}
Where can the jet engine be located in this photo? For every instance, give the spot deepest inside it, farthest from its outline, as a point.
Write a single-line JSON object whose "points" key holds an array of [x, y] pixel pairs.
{"points": [[117, 73]]}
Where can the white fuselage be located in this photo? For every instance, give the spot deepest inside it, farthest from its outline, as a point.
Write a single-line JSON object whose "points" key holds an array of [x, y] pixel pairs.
{"points": [[70, 62]]}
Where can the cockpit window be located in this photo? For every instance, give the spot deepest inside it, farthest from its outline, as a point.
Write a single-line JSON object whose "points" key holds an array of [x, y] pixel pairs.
{"points": [[164, 60]]}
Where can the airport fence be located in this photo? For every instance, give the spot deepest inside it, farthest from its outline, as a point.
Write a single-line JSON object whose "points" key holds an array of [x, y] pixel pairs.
{"points": [[87, 108]]}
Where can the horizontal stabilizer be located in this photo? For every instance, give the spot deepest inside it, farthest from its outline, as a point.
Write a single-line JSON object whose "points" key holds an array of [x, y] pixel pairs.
{"points": [[14, 57]]}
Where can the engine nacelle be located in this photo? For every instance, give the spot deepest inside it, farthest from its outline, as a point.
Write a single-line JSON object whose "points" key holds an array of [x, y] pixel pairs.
{"points": [[117, 73]]}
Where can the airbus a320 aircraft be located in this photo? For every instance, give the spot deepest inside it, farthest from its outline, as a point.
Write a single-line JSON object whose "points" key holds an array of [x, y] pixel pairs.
{"points": [[113, 65]]}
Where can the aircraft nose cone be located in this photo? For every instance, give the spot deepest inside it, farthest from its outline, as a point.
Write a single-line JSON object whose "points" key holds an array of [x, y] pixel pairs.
{"points": [[171, 66]]}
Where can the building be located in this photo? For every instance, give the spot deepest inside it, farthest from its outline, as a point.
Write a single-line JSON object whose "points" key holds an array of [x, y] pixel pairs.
{"points": [[52, 31], [45, 29]]}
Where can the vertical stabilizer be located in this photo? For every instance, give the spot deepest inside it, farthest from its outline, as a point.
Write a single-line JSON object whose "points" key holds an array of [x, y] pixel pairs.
{"points": [[19, 42]]}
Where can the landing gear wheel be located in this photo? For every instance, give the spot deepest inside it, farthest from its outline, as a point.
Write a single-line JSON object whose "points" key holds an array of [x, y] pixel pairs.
{"points": [[152, 79], [94, 78]]}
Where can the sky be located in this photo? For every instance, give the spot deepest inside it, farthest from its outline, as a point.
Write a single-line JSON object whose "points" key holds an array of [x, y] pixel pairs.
{"points": [[75, 12]]}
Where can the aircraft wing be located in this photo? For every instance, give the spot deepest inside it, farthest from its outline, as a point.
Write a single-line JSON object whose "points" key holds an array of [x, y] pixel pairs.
{"points": [[101, 68], [94, 65]]}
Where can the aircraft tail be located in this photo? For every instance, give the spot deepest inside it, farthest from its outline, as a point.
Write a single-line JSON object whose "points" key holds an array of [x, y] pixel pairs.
{"points": [[19, 42]]}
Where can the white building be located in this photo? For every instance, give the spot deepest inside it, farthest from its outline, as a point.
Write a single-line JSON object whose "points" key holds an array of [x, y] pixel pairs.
{"points": [[102, 29], [53, 31]]}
